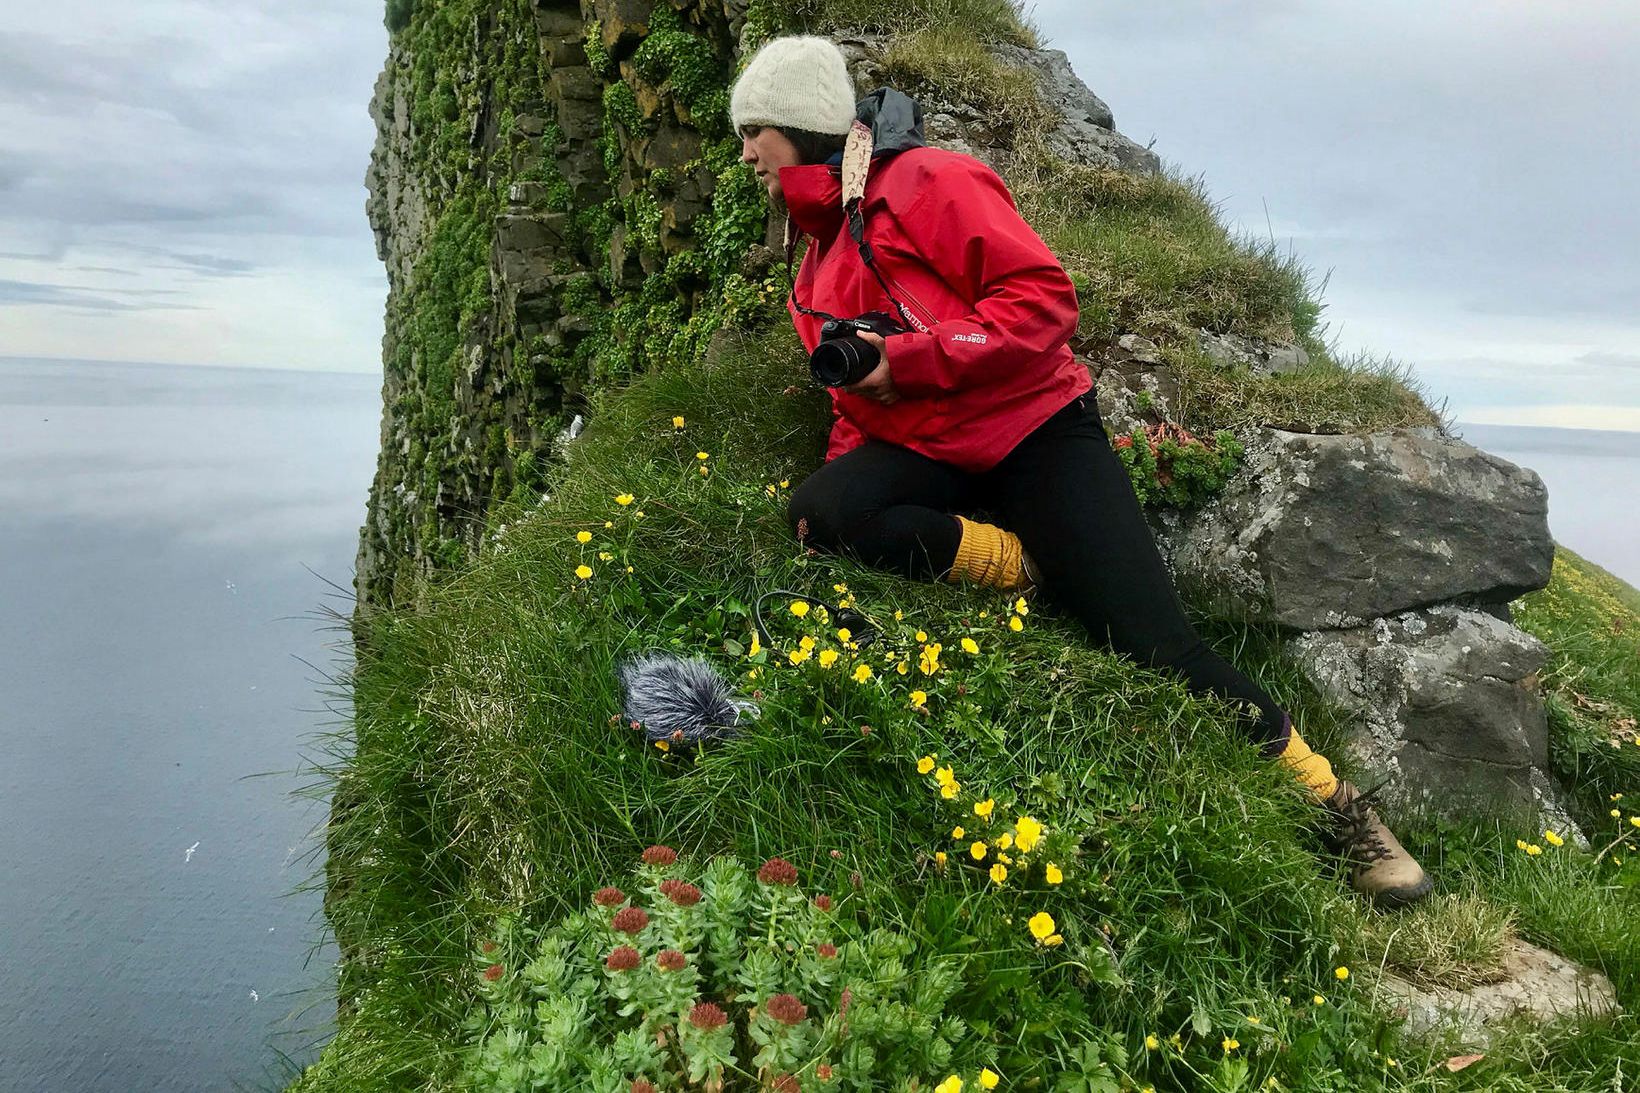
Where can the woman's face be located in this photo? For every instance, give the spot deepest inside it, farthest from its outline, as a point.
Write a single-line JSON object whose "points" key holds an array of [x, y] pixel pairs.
{"points": [[767, 150]]}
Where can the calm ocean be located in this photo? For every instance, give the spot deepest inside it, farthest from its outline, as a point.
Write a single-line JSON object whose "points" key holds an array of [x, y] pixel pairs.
{"points": [[168, 538]]}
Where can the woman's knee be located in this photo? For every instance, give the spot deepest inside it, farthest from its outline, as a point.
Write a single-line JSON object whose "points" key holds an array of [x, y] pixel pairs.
{"points": [[819, 514]]}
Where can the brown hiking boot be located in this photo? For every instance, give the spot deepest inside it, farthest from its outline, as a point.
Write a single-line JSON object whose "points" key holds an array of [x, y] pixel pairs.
{"points": [[1380, 867]]}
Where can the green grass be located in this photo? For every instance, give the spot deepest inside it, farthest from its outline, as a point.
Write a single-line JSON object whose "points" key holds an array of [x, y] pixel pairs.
{"points": [[487, 777], [984, 20]]}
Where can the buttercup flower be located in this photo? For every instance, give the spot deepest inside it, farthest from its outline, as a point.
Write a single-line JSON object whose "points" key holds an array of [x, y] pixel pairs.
{"points": [[583, 536], [1230, 1044], [999, 873], [944, 776], [605, 556], [1151, 1043], [702, 456], [1027, 832], [953, 1084], [1533, 850], [800, 608], [1341, 973], [977, 850], [1552, 839], [925, 764], [806, 642], [798, 656], [1015, 624], [970, 646], [988, 1078], [845, 635], [950, 790], [1042, 925], [1021, 607], [756, 646], [929, 660], [939, 858], [1052, 874], [1318, 1000], [957, 832], [1634, 821], [623, 499], [583, 571], [1004, 841], [921, 636], [919, 699], [1617, 814], [677, 422], [984, 808], [862, 673]]}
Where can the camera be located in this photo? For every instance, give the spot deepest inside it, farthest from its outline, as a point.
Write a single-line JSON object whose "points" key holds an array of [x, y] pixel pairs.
{"points": [[843, 357]]}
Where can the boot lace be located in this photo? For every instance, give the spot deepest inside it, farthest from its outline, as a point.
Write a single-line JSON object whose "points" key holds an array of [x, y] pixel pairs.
{"points": [[1356, 835]]}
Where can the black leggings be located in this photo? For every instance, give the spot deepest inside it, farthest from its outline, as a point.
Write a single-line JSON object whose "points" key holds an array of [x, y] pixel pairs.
{"points": [[1069, 499]]}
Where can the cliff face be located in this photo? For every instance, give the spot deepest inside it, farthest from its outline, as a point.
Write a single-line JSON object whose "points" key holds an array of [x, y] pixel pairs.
{"points": [[556, 195]]}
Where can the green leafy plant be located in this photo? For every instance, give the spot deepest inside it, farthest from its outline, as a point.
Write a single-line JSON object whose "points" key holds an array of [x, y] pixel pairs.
{"points": [[1169, 466]]}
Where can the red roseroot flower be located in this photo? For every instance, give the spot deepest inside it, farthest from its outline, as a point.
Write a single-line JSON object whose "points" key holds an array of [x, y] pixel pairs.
{"points": [[786, 1009], [777, 871], [623, 959], [671, 960], [785, 1083], [487, 948], [493, 972], [827, 950], [707, 1016], [844, 1001], [630, 920], [660, 855], [823, 902], [641, 1085], [682, 893], [823, 1072], [609, 896]]}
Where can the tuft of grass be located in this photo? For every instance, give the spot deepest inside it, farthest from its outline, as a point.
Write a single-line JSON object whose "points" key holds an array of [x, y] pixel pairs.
{"points": [[1591, 622], [951, 63], [984, 20], [1454, 939]]}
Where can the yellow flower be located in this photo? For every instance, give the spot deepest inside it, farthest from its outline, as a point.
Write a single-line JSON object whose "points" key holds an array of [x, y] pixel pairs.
{"points": [[1617, 796], [1389, 1060], [1015, 624], [583, 571], [1533, 850], [977, 850], [1252, 1019], [1021, 606], [899, 616], [806, 642], [1052, 874], [800, 608], [629, 569], [702, 456], [1341, 972], [983, 809], [958, 832], [929, 661], [757, 646], [1005, 859], [903, 667], [939, 858], [919, 699], [950, 790], [984, 614], [769, 489], [828, 657], [1151, 1043], [609, 523], [1230, 1044], [1552, 839], [999, 873], [1617, 814], [1054, 941], [921, 636], [1520, 844], [944, 776], [639, 514], [703, 470], [583, 536], [862, 673], [798, 656], [1004, 841], [925, 764], [988, 1078], [1318, 1000], [953, 1084], [970, 646], [677, 422], [623, 499], [784, 482], [1634, 820], [1041, 925], [663, 745], [1027, 833], [605, 556]]}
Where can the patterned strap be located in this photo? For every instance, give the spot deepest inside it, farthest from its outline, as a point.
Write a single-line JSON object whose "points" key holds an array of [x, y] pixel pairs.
{"points": [[856, 162]]}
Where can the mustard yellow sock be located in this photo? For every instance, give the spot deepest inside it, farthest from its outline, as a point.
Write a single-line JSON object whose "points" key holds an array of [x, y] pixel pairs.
{"points": [[990, 556], [1309, 767]]}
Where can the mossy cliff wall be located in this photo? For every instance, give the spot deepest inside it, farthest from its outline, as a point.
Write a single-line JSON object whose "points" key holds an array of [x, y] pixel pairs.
{"points": [[556, 196]]}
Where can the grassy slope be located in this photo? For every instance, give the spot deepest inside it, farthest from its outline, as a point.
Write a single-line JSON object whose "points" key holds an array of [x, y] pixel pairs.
{"points": [[485, 774]]}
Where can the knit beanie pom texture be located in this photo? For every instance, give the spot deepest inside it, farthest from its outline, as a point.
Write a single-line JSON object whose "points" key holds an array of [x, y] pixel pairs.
{"points": [[797, 82]]}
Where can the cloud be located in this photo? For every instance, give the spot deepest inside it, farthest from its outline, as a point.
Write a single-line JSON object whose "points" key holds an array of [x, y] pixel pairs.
{"points": [[1610, 360], [79, 298]]}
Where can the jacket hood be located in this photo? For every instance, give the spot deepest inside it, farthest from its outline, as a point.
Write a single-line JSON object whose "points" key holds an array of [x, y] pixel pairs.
{"points": [[813, 192]]}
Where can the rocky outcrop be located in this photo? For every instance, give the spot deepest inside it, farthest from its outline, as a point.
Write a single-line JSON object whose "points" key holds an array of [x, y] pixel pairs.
{"points": [[1535, 985]]}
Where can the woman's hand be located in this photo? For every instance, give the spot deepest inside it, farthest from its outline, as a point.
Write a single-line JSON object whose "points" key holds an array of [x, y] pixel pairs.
{"points": [[879, 383]]}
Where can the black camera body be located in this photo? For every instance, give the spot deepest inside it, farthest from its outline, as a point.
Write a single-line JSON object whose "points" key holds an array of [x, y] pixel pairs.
{"points": [[843, 357]]}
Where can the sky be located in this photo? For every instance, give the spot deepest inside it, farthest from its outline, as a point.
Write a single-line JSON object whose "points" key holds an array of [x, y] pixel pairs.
{"points": [[182, 181]]}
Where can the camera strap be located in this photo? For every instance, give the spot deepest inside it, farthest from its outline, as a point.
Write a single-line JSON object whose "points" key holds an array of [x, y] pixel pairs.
{"points": [[856, 166]]}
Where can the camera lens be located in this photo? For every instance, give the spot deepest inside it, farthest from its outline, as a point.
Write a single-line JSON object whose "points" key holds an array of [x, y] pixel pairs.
{"points": [[838, 362]]}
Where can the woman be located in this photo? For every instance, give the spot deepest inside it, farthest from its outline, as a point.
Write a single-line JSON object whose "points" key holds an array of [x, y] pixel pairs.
{"points": [[979, 405]]}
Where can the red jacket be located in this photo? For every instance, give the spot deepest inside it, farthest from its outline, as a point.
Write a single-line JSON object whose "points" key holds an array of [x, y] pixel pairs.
{"points": [[991, 363]]}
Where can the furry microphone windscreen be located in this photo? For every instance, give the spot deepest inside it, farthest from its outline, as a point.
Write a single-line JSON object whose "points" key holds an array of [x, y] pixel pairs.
{"points": [[680, 699]]}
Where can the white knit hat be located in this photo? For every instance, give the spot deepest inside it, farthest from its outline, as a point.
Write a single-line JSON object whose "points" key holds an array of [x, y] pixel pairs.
{"points": [[798, 82]]}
